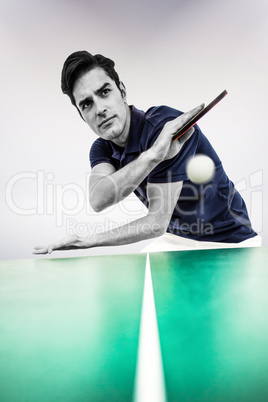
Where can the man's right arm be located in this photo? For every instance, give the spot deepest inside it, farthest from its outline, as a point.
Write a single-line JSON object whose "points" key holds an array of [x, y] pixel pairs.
{"points": [[108, 186]]}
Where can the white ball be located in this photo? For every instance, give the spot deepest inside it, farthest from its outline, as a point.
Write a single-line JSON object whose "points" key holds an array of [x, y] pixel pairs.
{"points": [[200, 169]]}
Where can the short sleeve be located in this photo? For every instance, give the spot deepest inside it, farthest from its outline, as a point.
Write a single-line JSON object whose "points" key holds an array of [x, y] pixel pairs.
{"points": [[101, 152]]}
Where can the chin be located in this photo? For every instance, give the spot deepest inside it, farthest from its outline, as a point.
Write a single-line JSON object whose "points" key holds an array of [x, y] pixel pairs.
{"points": [[114, 134]]}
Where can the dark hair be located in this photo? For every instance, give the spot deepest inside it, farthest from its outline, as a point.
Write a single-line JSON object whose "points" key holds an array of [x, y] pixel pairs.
{"points": [[79, 63]]}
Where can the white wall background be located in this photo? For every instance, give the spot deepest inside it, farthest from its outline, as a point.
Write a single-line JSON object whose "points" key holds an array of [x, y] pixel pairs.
{"points": [[173, 52]]}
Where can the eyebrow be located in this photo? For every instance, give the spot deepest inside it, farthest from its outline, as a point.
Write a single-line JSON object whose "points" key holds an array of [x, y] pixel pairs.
{"points": [[97, 92]]}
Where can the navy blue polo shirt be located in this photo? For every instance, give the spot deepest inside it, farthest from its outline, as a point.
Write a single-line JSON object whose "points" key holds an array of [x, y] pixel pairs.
{"points": [[211, 212]]}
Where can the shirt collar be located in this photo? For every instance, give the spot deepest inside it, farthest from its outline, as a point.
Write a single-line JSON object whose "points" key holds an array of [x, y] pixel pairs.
{"points": [[136, 127]]}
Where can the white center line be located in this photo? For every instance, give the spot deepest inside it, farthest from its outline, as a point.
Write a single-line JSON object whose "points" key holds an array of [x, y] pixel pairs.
{"points": [[149, 382]]}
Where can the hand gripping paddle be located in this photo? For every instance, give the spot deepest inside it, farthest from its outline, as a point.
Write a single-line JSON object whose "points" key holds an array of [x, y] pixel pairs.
{"points": [[198, 116]]}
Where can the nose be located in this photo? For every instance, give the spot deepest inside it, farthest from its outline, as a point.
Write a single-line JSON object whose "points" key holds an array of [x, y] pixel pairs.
{"points": [[100, 108]]}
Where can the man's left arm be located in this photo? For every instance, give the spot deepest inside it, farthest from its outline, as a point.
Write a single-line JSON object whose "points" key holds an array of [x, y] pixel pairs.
{"points": [[162, 199]]}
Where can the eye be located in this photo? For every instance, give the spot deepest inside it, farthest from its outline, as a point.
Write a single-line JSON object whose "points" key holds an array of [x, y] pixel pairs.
{"points": [[105, 92], [86, 105]]}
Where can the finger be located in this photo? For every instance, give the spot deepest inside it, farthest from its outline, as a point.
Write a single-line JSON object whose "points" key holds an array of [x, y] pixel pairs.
{"points": [[174, 125], [67, 243], [63, 244], [49, 249], [188, 134], [40, 250], [187, 116]]}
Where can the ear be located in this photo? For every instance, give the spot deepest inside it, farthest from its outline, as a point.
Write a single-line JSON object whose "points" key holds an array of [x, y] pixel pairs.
{"points": [[123, 90]]}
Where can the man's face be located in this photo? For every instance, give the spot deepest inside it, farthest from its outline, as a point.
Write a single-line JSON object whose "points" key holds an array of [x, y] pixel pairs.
{"points": [[103, 106]]}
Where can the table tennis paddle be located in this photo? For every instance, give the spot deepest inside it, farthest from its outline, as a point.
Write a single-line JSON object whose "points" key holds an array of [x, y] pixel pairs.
{"points": [[198, 116]]}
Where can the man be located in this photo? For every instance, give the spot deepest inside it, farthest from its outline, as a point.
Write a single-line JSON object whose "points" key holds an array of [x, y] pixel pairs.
{"points": [[135, 151]]}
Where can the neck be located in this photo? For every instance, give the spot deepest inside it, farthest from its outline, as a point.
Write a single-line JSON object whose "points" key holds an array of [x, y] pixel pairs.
{"points": [[122, 141]]}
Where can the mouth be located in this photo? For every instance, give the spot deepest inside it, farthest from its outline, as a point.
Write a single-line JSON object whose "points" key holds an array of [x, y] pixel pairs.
{"points": [[106, 122]]}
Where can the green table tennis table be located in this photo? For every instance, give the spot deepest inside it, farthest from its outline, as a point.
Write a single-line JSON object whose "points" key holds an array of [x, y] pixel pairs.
{"points": [[69, 327]]}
